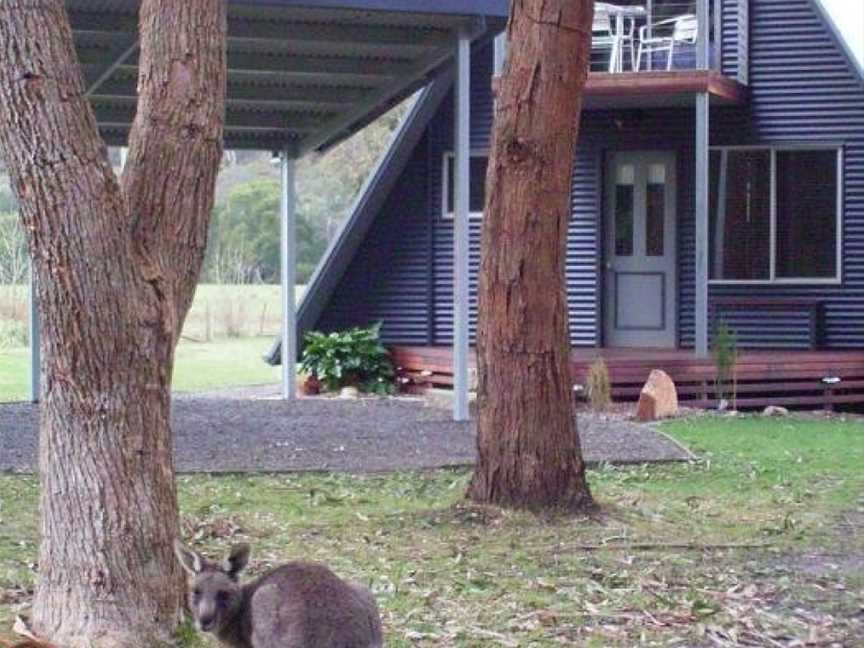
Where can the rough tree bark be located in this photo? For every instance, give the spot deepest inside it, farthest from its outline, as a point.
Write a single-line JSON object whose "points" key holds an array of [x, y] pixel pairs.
{"points": [[528, 445], [116, 265]]}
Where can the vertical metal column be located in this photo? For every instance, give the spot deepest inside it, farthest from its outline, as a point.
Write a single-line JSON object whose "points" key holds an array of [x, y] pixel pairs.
{"points": [[35, 340], [500, 54], [702, 159], [703, 42], [288, 267], [702, 180], [462, 187]]}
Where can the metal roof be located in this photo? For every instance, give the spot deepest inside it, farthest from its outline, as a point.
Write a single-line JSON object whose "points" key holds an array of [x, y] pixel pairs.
{"points": [[302, 74]]}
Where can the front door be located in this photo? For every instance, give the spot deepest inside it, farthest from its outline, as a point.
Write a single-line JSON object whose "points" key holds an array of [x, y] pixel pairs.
{"points": [[641, 278]]}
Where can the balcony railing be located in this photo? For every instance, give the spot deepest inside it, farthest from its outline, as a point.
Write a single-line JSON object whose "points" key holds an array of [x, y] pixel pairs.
{"points": [[664, 35]]}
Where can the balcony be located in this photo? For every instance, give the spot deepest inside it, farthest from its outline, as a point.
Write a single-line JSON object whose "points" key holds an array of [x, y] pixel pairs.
{"points": [[646, 55]]}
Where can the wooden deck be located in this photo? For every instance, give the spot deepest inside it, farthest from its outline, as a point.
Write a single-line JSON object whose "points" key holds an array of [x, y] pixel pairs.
{"points": [[789, 378], [659, 89]]}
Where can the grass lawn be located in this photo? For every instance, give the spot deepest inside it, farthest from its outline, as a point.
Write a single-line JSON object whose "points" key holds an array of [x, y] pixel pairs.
{"points": [[654, 568], [199, 367], [224, 363], [252, 310], [14, 374]]}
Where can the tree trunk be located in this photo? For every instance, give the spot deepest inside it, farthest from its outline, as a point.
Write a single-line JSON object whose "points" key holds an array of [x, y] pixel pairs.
{"points": [[528, 445], [117, 266]]}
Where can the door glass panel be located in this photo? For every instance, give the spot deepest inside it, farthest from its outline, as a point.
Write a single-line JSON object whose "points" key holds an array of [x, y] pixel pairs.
{"points": [[624, 199], [655, 216]]}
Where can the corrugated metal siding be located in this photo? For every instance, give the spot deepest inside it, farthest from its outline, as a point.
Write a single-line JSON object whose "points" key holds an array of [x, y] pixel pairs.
{"points": [[583, 247], [803, 90], [388, 279], [395, 277], [734, 52], [441, 141]]}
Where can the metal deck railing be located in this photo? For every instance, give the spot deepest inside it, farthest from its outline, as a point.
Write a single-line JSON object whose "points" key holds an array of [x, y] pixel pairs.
{"points": [[655, 35]]}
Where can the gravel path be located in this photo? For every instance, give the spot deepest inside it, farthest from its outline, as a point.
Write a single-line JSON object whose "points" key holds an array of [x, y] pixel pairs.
{"points": [[249, 431]]}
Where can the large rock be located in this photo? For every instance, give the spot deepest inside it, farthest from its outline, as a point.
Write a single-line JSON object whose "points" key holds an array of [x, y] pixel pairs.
{"points": [[659, 398]]}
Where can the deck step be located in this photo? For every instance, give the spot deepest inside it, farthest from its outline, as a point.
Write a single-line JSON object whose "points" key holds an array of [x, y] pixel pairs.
{"points": [[789, 378]]}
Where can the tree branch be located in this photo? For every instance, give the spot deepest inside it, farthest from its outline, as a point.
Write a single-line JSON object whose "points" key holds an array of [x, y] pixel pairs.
{"points": [[178, 128]]}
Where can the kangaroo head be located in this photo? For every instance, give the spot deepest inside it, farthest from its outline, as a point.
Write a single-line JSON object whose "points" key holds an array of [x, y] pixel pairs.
{"points": [[214, 591]]}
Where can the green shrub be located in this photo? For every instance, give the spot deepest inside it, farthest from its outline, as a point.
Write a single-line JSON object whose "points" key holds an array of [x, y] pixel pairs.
{"points": [[349, 358], [598, 385]]}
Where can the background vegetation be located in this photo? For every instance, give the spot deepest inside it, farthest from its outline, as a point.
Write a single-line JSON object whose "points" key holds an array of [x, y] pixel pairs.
{"points": [[236, 310]]}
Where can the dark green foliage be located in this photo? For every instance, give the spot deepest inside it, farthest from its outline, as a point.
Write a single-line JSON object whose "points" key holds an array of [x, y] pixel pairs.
{"points": [[349, 358], [725, 353], [245, 237]]}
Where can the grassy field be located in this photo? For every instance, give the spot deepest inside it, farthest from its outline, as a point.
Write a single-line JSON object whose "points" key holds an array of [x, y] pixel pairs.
{"points": [[242, 323], [759, 543], [199, 367]]}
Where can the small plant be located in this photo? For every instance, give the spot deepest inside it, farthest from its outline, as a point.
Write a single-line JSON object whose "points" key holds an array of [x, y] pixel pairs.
{"points": [[598, 385], [349, 358], [725, 353]]}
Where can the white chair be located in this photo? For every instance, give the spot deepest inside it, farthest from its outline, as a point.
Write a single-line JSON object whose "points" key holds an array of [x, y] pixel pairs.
{"points": [[682, 30], [602, 38], [605, 36]]}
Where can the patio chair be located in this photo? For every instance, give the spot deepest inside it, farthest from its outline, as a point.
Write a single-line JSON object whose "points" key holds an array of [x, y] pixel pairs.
{"points": [[681, 30], [605, 36]]}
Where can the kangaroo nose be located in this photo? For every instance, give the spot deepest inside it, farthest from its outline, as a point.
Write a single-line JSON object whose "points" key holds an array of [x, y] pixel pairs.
{"points": [[207, 624]]}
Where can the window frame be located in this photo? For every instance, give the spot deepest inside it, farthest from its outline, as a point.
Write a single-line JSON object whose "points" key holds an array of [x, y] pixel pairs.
{"points": [[773, 279], [445, 183]]}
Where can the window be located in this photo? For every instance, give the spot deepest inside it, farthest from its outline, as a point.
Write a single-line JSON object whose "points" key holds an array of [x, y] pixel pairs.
{"points": [[624, 201], [655, 215], [477, 201], [774, 214]]}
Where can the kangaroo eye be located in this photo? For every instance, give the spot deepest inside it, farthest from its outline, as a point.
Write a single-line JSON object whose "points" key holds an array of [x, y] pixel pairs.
{"points": [[196, 593]]}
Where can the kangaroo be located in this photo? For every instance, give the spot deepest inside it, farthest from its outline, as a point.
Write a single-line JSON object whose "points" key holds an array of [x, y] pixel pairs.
{"points": [[297, 605]]}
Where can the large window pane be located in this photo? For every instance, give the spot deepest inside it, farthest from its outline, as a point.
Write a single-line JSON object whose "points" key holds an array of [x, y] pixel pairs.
{"points": [[806, 214], [740, 215], [477, 201]]}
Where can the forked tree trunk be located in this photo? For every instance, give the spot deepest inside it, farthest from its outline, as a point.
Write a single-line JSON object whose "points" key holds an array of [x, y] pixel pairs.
{"points": [[117, 267], [528, 445]]}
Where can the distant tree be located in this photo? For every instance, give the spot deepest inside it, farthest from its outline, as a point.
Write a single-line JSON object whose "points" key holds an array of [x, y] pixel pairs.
{"points": [[528, 445], [247, 224], [117, 263], [13, 250]]}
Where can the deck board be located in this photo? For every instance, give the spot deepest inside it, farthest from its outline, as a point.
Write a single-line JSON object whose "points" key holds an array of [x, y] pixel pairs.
{"points": [[782, 377]]}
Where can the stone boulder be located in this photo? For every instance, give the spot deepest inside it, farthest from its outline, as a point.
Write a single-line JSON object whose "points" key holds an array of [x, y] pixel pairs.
{"points": [[659, 398]]}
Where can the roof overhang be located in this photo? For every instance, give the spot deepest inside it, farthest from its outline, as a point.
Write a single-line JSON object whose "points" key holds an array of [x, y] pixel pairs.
{"points": [[302, 74]]}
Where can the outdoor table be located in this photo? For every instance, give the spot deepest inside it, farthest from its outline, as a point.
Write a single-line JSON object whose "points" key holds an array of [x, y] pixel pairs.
{"points": [[621, 14]]}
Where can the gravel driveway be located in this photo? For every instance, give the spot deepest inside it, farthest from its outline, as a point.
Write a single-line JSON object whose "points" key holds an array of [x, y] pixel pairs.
{"points": [[242, 433]]}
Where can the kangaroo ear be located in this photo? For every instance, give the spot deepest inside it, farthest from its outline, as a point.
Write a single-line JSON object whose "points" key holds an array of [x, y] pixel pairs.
{"points": [[237, 560], [189, 560]]}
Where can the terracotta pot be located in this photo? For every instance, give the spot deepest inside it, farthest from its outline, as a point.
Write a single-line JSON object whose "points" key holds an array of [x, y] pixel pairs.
{"points": [[311, 386]]}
